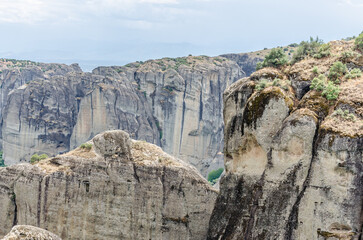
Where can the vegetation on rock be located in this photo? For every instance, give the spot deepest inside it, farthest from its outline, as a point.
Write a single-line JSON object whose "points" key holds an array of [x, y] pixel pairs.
{"points": [[310, 48], [275, 58], [87, 146], [214, 175], [36, 158], [354, 73], [327, 88], [2, 163], [337, 70], [264, 83], [323, 51], [346, 115], [359, 42]]}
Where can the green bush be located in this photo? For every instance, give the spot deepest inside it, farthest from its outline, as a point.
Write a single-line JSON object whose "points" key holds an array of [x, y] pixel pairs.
{"points": [[318, 83], [331, 91], [354, 73], [293, 45], [275, 58], [36, 158], [316, 70], [337, 70], [346, 55], [87, 146], [323, 51], [359, 42], [261, 84], [344, 114], [2, 163], [308, 48], [214, 175]]}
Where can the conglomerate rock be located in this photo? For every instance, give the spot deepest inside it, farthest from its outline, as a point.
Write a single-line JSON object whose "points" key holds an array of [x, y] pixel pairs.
{"points": [[293, 165], [109, 188], [174, 103]]}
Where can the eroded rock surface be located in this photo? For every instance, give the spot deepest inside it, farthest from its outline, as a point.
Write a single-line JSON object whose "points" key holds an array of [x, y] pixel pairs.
{"points": [[174, 103], [293, 166], [112, 188], [24, 232]]}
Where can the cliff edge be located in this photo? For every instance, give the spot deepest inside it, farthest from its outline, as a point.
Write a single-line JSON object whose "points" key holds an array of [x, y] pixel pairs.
{"points": [[293, 152]]}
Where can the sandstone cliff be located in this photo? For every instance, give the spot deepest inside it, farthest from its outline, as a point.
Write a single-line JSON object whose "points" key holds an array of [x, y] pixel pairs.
{"points": [[293, 164], [110, 188], [174, 103]]}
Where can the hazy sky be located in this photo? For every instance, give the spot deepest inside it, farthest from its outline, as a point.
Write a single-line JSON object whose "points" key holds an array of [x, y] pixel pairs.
{"points": [[114, 32]]}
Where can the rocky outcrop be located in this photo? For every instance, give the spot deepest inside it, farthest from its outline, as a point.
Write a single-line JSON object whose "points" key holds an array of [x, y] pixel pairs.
{"points": [[174, 103], [24, 232], [247, 62], [293, 167], [15, 74], [110, 188]]}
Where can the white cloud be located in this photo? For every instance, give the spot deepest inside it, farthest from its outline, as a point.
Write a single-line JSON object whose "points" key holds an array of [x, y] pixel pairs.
{"points": [[354, 3], [59, 11]]}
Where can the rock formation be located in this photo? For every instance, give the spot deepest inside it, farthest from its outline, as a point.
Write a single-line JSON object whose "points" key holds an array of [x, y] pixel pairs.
{"points": [[24, 232], [174, 103], [293, 164], [109, 188]]}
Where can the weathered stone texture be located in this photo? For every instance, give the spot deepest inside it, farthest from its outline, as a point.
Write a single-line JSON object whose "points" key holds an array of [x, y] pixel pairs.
{"points": [[24, 232], [174, 103], [293, 167], [119, 189]]}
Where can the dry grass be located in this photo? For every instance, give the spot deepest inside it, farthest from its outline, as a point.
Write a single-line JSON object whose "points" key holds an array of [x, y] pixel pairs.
{"points": [[352, 94], [147, 154], [268, 73], [82, 153], [344, 127], [303, 70]]}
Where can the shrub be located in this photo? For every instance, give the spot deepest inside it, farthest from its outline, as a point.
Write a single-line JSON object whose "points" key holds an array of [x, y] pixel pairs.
{"points": [[308, 48], [2, 163], [316, 70], [346, 55], [214, 175], [323, 51], [354, 73], [36, 158], [331, 91], [87, 146], [318, 83], [261, 84], [359, 42], [275, 58], [337, 70], [344, 114]]}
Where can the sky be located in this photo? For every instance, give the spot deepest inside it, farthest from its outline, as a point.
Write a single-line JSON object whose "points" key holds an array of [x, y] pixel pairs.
{"points": [[115, 32]]}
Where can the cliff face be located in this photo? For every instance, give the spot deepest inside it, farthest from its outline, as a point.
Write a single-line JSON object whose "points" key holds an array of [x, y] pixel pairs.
{"points": [[175, 103], [247, 62], [293, 166], [14, 74], [113, 188]]}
